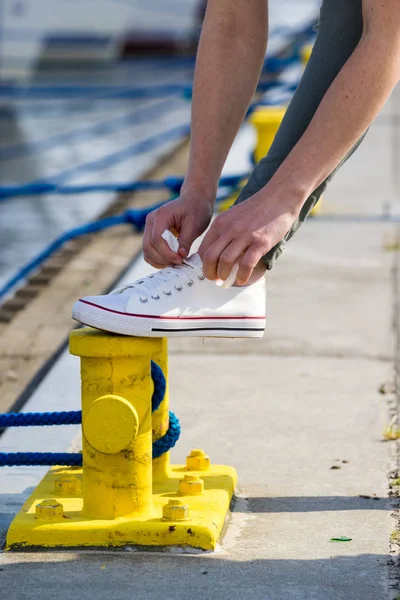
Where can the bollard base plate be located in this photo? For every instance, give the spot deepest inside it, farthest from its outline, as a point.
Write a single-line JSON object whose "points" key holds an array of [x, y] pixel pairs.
{"points": [[202, 529]]}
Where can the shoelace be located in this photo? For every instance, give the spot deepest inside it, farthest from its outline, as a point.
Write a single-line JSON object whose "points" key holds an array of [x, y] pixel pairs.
{"points": [[148, 287]]}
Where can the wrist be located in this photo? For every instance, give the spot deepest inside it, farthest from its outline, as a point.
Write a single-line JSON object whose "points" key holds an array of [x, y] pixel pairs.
{"points": [[201, 192], [292, 193]]}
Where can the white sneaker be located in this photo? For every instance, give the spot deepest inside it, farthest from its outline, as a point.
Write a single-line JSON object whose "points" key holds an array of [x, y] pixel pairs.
{"points": [[175, 302]]}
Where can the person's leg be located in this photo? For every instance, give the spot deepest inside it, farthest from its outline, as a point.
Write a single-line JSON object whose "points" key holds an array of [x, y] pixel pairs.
{"points": [[339, 31]]}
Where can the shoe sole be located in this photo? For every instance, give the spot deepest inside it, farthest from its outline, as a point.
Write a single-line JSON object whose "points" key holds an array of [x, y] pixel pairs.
{"points": [[113, 321]]}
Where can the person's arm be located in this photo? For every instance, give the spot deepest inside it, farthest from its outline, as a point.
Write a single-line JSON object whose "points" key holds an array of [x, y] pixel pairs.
{"points": [[228, 65], [249, 230], [229, 61], [349, 106]]}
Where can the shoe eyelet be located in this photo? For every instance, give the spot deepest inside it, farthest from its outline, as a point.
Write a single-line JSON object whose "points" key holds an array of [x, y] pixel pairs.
{"points": [[178, 288], [167, 293], [143, 299], [201, 277], [157, 297], [190, 282]]}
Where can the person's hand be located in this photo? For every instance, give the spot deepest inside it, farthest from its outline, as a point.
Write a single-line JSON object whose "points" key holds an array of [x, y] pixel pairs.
{"points": [[243, 234], [188, 216]]}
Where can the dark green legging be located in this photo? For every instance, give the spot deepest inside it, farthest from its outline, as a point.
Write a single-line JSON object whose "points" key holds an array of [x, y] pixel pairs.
{"points": [[339, 31]]}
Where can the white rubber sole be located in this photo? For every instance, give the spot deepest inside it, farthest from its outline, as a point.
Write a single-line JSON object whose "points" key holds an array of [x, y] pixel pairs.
{"points": [[147, 326]]}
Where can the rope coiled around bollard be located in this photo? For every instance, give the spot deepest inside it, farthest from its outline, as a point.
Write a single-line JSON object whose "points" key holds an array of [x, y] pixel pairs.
{"points": [[9, 459], [169, 440]]}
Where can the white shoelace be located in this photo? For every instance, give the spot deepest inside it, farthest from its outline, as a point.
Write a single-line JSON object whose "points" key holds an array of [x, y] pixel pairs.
{"points": [[166, 281]]}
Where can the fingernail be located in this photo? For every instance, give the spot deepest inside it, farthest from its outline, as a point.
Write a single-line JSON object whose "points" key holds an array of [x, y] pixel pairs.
{"points": [[183, 252]]}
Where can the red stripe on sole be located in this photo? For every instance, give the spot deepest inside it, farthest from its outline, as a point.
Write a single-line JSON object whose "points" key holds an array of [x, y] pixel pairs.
{"points": [[117, 312]]}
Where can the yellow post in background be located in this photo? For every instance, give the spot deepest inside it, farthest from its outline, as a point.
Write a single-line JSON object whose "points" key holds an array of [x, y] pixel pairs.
{"points": [[116, 422], [305, 54], [266, 120]]}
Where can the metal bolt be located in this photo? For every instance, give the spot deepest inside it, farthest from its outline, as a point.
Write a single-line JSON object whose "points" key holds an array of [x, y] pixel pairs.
{"points": [[191, 485], [67, 485], [175, 510], [49, 509], [197, 460]]}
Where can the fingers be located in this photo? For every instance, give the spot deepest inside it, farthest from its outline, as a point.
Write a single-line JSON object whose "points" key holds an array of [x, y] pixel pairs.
{"points": [[211, 236], [211, 257], [229, 257], [155, 249], [150, 254], [247, 263], [160, 224]]}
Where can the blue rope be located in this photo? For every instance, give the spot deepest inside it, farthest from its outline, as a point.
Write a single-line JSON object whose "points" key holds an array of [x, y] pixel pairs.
{"points": [[111, 92], [174, 184], [33, 189], [160, 386], [30, 459], [9, 459], [25, 92], [169, 440], [114, 92], [72, 417]]}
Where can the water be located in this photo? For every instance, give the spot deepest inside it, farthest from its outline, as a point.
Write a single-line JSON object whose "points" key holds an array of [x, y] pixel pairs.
{"points": [[43, 137]]}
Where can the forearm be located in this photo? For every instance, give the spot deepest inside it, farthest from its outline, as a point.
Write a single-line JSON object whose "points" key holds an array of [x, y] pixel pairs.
{"points": [[347, 109], [230, 57]]}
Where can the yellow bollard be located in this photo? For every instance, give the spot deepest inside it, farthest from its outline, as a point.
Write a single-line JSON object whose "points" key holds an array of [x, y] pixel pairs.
{"points": [[116, 423], [120, 495], [305, 53], [266, 120]]}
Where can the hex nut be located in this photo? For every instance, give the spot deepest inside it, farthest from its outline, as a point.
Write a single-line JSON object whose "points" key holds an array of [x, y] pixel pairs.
{"points": [[175, 510], [191, 485], [197, 460], [49, 509], [67, 485]]}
